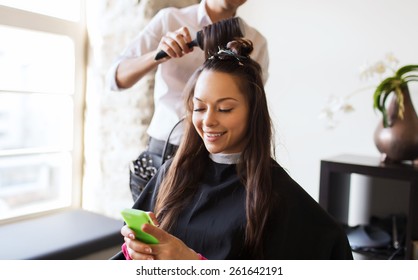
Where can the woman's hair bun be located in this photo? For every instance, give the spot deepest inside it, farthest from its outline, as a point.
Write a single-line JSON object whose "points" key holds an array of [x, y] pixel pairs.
{"points": [[241, 46]]}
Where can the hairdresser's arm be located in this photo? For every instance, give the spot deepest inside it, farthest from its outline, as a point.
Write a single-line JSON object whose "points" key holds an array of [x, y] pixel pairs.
{"points": [[131, 70]]}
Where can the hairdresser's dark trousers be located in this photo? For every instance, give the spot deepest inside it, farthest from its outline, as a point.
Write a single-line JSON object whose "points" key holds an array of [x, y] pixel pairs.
{"points": [[147, 164]]}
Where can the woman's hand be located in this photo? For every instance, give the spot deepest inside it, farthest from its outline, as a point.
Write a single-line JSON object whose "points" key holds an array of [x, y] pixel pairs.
{"points": [[169, 247]]}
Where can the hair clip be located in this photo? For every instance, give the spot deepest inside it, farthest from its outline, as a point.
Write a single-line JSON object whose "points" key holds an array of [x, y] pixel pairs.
{"points": [[227, 54]]}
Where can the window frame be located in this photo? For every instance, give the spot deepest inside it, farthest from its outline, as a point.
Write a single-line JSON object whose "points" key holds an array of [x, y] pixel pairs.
{"points": [[77, 32]]}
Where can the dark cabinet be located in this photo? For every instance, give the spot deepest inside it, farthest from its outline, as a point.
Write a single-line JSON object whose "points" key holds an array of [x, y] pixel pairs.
{"points": [[335, 187]]}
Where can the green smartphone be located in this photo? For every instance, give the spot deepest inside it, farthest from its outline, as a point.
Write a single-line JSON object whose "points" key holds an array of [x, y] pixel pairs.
{"points": [[135, 218]]}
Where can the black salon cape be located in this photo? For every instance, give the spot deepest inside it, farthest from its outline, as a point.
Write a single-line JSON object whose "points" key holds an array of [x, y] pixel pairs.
{"points": [[214, 222]]}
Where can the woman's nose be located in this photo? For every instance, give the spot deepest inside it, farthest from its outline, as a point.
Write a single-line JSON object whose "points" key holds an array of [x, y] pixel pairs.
{"points": [[210, 118]]}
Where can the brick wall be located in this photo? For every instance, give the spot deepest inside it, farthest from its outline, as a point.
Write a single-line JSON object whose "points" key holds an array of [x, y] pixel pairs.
{"points": [[115, 122]]}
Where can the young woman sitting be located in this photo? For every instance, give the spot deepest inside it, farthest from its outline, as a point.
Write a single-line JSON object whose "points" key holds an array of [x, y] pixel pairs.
{"points": [[223, 196]]}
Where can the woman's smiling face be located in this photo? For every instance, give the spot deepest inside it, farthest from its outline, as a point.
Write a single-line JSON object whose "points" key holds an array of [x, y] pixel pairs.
{"points": [[220, 112]]}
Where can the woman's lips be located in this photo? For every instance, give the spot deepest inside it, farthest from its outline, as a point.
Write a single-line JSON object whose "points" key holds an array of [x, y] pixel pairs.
{"points": [[213, 136]]}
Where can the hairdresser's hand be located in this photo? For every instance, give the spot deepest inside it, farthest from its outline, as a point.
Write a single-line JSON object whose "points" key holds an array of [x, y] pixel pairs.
{"points": [[169, 247], [175, 43]]}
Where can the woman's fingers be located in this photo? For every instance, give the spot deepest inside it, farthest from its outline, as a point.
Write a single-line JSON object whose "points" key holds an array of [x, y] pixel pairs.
{"points": [[138, 250], [154, 218], [158, 233], [127, 232]]}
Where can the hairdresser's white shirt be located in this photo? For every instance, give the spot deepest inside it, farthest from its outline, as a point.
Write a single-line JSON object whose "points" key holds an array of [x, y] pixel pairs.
{"points": [[172, 75]]}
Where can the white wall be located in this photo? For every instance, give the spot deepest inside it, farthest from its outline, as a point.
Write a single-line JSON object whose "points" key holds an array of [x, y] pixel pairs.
{"points": [[316, 49]]}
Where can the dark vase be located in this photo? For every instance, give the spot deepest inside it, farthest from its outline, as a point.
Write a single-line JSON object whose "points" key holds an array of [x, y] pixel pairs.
{"points": [[399, 141]]}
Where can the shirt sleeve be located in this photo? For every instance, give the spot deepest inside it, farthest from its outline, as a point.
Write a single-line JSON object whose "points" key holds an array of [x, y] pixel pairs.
{"points": [[260, 52], [146, 41], [263, 59], [125, 252]]}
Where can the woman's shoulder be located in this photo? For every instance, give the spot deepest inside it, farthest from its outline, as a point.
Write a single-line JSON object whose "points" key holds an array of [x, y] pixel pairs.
{"points": [[295, 201], [299, 219], [281, 176]]}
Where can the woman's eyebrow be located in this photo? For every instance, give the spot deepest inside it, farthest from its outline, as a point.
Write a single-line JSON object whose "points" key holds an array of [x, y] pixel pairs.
{"points": [[217, 101]]}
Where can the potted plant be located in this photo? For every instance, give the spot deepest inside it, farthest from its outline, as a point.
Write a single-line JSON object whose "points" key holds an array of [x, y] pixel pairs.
{"points": [[396, 136], [396, 84]]}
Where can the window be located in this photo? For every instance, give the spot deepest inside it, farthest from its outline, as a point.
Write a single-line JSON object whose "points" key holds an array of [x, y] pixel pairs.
{"points": [[64, 9], [42, 58]]}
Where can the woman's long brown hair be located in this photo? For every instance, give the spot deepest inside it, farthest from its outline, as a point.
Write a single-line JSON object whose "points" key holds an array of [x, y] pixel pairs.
{"points": [[254, 167]]}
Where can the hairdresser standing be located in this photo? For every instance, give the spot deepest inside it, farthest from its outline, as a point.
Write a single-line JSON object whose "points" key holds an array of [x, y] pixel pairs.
{"points": [[170, 30]]}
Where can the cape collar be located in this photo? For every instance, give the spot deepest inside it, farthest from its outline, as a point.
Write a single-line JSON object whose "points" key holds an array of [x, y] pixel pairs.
{"points": [[225, 158]]}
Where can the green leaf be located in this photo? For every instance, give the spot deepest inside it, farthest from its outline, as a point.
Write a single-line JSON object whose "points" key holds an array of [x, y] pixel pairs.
{"points": [[381, 95], [385, 87], [402, 76], [383, 109], [410, 78], [405, 69]]}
